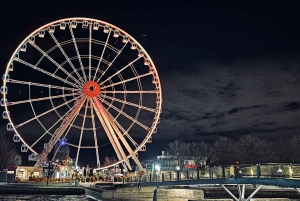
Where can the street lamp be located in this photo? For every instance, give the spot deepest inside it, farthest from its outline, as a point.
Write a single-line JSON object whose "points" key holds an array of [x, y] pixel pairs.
{"points": [[49, 168], [177, 168]]}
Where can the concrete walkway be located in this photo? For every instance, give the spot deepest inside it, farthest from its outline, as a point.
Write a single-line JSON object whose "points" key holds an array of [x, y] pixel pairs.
{"points": [[291, 183]]}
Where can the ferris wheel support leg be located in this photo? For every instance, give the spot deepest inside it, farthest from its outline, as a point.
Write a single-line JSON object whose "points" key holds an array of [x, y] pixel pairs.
{"points": [[112, 137], [116, 129], [59, 131]]}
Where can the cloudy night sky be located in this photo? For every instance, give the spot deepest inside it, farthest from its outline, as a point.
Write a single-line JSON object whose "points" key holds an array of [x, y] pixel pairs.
{"points": [[226, 69]]}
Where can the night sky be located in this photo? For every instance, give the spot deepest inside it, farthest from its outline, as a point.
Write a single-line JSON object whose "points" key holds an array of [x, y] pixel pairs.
{"points": [[226, 69]]}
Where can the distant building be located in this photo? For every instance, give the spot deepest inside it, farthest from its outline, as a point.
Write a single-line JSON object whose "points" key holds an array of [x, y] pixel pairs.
{"points": [[172, 163], [8, 173], [24, 172]]}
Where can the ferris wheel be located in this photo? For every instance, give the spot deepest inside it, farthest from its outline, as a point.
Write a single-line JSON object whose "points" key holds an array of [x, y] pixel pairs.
{"points": [[83, 82]]}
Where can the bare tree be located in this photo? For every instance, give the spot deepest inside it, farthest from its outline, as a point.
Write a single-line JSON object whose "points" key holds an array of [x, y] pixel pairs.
{"points": [[61, 154], [16, 158], [253, 149], [174, 148], [281, 151], [8, 153], [199, 152], [222, 151], [109, 161], [180, 149], [294, 146]]}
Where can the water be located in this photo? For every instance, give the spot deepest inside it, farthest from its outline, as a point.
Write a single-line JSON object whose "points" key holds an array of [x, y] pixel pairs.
{"points": [[44, 198]]}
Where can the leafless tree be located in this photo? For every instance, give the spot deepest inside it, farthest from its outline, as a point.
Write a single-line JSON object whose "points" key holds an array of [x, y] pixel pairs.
{"points": [[281, 151], [109, 161], [174, 148], [294, 146], [199, 152], [8, 153], [180, 149], [61, 154], [252, 149], [222, 151], [16, 158]]}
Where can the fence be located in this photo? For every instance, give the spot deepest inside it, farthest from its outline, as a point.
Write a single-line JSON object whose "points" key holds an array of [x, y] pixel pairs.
{"points": [[270, 170]]}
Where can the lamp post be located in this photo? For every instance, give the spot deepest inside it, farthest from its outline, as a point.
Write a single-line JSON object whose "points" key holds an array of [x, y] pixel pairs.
{"points": [[76, 176], [157, 168], [49, 166], [177, 168]]}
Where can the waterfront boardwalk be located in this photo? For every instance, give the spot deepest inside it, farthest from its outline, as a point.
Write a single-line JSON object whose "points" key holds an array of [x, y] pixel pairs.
{"points": [[129, 191]]}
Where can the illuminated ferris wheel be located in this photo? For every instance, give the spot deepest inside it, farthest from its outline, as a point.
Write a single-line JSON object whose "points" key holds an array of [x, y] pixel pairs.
{"points": [[83, 82]]}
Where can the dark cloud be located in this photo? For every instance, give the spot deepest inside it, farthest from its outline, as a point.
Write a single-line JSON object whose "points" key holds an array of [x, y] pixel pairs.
{"points": [[243, 97]]}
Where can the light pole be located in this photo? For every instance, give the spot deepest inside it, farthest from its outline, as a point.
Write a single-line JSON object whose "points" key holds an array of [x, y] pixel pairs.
{"points": [[157, 168], [76, 176], [49, 166], [177, 168]]}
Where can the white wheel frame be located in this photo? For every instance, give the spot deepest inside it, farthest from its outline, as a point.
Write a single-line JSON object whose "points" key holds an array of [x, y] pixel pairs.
{"points": [[95, 104]]}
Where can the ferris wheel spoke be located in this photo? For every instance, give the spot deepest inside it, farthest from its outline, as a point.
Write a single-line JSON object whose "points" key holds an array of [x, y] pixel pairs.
{"points": [[40, 85], [47, 73], [72, 145], [123, 130], [48, 130], [111, 136], [129, 64], [128, 103], [132, 140], [40, 99], [126, 115], [110, 63], [90, 51], [71, 124], [128, 80], [130, 92], [109, 120], [38, 116], [65, 55], [60, 130], [55, 63], [95, 135], [77, 52], [81, 133], [100, 60]]}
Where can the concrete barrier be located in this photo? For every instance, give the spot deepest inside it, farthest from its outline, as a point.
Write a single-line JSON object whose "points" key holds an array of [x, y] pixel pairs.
{"points": [[177, 194], [270, 199], [131, 193], [146, 189], [213, 200], [254, 199], [151, 194]]}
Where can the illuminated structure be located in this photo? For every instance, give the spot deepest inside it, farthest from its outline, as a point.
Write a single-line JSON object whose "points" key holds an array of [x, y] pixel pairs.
{"points": [[96, 72], [169, 163]]}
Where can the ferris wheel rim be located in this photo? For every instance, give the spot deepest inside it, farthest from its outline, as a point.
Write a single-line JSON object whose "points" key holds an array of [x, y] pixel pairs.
{"points": [[155, 122]]}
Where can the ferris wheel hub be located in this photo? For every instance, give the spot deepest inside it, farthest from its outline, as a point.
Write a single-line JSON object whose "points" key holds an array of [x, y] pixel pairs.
{"points": [[91, 88]]}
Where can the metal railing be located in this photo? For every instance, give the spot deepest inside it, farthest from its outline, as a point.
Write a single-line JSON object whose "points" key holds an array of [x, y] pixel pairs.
{"points": [[270, 170]]}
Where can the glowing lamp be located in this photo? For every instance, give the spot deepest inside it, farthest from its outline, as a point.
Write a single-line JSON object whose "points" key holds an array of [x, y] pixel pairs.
{"points": [[62, 142]]}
